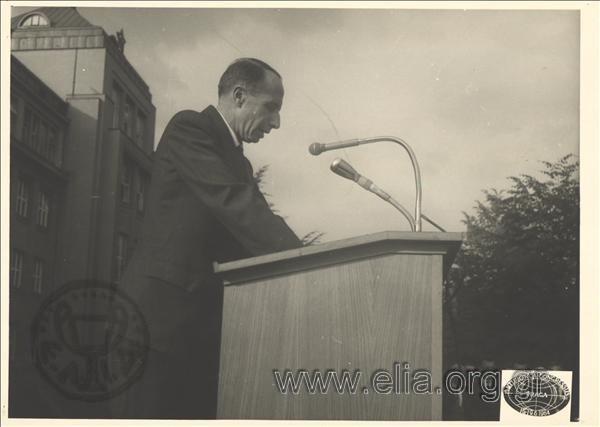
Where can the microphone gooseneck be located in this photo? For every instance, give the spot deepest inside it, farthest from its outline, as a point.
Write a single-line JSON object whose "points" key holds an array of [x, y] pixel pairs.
{"points": [[345, 170], [317, 148]]}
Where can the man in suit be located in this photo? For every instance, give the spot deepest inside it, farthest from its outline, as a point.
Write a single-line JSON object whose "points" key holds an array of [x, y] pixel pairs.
{"points": [[204, 206]]}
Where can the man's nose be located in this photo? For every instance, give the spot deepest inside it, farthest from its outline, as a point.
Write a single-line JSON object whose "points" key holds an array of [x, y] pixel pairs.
{"points": [[275, 122]]}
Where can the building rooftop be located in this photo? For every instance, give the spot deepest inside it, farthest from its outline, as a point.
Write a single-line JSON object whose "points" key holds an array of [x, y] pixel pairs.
{"points": [[58, 17], [47, 28]]}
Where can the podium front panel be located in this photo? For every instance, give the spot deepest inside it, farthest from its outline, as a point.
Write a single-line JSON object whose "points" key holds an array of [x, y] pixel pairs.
{"points": [[376, 315]]}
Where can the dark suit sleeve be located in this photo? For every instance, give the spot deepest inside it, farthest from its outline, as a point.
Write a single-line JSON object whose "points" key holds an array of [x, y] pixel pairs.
{"points": [[239, 206]]}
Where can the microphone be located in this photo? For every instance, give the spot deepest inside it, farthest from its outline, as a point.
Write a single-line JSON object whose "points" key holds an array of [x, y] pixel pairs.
{"points": [[316, 148], [343, 169]]}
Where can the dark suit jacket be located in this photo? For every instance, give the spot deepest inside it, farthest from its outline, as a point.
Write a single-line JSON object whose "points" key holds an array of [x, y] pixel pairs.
{"points": [[203, 206]]}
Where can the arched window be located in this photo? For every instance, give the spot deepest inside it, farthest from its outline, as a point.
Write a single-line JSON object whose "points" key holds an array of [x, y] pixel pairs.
{"points": [[35, 20]]}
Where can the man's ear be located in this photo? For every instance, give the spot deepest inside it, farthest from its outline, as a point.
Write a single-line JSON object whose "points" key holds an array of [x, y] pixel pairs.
{"points": [[239, 96]]}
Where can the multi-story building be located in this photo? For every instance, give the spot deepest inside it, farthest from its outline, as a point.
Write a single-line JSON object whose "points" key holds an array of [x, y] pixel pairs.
{"points": [[39, 123], [108, 142], [82, 136]]}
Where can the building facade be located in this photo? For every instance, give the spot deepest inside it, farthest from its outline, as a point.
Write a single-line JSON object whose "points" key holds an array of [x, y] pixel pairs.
{"points": [[81, 143], [39, 123], [109, 140]]}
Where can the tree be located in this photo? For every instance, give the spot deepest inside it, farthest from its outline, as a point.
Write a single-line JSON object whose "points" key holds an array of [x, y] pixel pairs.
{"points": [[311, 238], [513, 292]]}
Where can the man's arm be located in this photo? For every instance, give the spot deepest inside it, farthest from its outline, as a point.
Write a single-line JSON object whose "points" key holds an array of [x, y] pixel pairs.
{"points": [[240, 206]]}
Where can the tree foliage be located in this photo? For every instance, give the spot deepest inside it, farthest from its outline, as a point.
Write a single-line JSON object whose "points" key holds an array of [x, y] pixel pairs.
{"points": [[513, 291], [311, 238]]}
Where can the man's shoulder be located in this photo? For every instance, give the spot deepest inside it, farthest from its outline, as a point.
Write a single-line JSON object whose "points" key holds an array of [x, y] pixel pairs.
{"points": [[202, 119], [191, 124], [206, 127]]}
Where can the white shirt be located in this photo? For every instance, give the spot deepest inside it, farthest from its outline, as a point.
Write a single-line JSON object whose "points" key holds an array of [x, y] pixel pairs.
{"points": [[236, 142]]}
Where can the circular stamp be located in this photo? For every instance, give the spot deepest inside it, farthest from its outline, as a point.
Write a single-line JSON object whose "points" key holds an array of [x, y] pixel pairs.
{"points": [[536, 393], [90, 341]]}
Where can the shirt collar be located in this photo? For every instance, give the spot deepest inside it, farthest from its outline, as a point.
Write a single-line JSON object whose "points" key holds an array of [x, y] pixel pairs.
{"points": [[236, 142]]}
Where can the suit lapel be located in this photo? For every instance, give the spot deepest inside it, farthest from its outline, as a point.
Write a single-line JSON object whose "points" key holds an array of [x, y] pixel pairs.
{"points": [[232, 155]]}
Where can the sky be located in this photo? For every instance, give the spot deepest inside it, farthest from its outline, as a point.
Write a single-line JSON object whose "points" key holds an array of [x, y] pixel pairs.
{"points": [[479, 95]]}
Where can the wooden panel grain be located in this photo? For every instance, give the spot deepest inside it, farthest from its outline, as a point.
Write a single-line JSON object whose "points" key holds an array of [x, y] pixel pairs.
{"points": [[437, 278], [364, 315]]}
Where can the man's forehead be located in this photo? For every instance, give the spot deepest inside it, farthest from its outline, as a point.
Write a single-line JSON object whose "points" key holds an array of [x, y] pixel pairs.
{"points": [[271, 82], [271, 87]]}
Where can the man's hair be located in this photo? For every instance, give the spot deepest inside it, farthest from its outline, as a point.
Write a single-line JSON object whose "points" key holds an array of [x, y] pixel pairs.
{"points": [[248, 71]]}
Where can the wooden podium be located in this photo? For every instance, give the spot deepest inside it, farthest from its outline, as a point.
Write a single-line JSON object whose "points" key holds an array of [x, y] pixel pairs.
{"points": [[364, 304]]}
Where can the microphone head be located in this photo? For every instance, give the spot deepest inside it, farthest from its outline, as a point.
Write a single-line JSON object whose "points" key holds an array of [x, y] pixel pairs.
{"points": [[315, 148], [343, 169]]}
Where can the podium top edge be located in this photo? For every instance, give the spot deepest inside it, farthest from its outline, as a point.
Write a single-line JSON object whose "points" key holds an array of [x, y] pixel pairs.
{"points": [[450, 240]]}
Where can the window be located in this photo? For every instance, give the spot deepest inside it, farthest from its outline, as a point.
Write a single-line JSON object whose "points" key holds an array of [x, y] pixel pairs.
{"points": [[128, 118], [126, 182], [117, 96], [34, 136], [140, 125], [40, 135], [35, 21], [120, 256], [42, 139], [50, 153], [27, 126], [16, 268], [38, 275], [141, 189], [22, 202], [43, 210], [14, 114]]}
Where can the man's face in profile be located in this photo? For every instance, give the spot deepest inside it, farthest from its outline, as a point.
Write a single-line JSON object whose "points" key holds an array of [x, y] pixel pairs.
{"points": [[260, 111]]}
